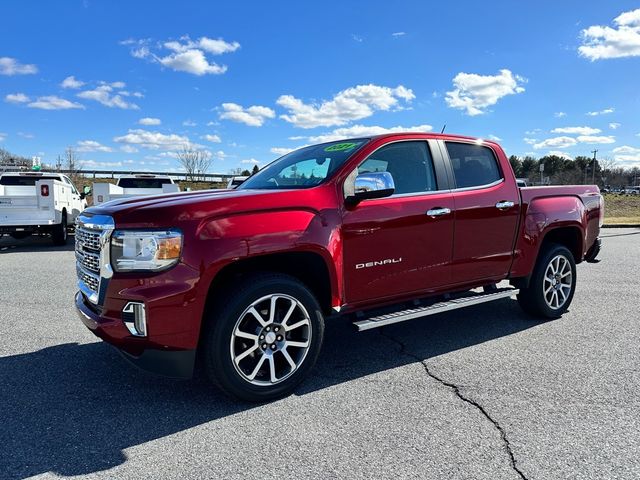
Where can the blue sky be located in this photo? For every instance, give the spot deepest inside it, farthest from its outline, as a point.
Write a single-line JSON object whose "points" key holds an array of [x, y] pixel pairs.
{"points": [[128, 83]]}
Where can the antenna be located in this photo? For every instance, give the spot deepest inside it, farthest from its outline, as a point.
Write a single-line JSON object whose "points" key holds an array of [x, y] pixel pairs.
{"points": [[443, 127]]}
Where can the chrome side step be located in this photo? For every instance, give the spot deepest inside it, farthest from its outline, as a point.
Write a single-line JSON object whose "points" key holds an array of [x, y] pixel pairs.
{"points": [[452, 304]]}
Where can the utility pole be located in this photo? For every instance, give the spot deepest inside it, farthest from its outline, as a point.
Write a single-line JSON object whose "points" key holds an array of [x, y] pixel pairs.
{"points": [[593, 168]]}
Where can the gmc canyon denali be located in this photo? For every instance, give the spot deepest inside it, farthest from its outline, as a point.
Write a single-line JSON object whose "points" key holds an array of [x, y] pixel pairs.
{"points": [[376, 230]]}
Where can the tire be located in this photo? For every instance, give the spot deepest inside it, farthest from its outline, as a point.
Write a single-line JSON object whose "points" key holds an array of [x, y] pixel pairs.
{"points": [[244, 353], [20, 235], [533, 299], [60, 234]]}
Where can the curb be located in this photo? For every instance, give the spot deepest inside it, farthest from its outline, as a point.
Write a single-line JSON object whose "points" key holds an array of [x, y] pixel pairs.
{"points": [[621, 225]]}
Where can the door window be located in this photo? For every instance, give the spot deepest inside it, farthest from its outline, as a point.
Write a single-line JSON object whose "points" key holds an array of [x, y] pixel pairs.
{"points": [[409, 163], [473, 165]]}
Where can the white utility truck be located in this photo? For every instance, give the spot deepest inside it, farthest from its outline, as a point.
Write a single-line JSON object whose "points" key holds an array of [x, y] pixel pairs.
{"points": [[133, 186], [235, 182], [39, 202]]}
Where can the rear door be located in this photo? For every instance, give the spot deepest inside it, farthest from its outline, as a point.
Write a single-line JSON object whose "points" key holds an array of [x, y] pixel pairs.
{"points": [[392, 246], [487, 209]]}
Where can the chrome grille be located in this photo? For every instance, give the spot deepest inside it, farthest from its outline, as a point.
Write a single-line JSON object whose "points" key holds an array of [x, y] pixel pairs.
{"points": [[92, 254], [88, 239], [89, 260], [89, 280]]}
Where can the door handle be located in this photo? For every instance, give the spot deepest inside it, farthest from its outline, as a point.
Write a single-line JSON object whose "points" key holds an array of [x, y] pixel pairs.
{"points": [[438, 212], [504, 205]]}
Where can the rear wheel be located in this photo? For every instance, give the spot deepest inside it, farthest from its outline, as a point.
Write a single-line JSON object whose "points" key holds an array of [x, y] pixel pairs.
{"points": [[263, 338], [552, 283], [60, 234]]}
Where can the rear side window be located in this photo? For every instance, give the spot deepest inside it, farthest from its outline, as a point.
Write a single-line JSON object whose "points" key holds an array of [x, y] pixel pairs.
{"points": [[143, 182], [473, 165], [409, 163], [25, 181]]}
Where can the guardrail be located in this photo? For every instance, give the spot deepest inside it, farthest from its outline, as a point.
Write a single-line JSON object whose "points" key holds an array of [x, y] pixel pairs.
{"points": [[198, 177]]}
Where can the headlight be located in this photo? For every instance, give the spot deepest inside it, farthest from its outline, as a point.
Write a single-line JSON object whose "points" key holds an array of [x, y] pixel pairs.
{"points": [[145, 250]]}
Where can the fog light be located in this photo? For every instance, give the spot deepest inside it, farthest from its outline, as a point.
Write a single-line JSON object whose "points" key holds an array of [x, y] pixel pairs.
{"points": [[134, 317]]}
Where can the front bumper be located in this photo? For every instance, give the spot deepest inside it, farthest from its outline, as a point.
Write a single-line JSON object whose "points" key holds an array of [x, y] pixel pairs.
{"points": [[145, 353]]}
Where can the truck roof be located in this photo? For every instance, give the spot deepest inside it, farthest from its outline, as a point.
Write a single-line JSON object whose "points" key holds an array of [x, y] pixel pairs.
{"points": [[145, 175], [30, 174]]}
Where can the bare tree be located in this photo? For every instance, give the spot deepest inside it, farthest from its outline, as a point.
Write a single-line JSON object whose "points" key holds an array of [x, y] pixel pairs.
{"points": [[73, 165], [194, 161]]}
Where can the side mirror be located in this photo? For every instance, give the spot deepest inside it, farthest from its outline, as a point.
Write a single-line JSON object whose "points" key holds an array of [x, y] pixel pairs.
{"points": [[372, 185]]}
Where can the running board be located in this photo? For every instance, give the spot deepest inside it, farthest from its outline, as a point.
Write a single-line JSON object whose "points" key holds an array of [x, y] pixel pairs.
{"points": [[453, 304]]}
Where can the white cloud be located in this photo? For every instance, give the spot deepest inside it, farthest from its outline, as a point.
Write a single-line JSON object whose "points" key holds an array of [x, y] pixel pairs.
{"points": [[559, 153], [556, 142], [2, 136], [189, 123], [98, 165], [149, 121], [494, 138], [577, 130], [212, 138], [253, 116], [26, 135], [559, 114], [595, 139], [153, 140], [601, 112], [128, 149], [92, 146], [353, 103], [627, 156], [192, 61], [282, 150], [356, 38], [186, 55], [10, 66], [16, 98], [51, 102], [614, 125], [363, 131], [398, 34], [602, 42], [530, 141], [103, 94], [251, 160], [474, 93], [71, 82]]}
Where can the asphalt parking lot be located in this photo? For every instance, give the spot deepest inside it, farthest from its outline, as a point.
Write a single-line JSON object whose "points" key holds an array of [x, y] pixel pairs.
{"points": [[479, 393]]}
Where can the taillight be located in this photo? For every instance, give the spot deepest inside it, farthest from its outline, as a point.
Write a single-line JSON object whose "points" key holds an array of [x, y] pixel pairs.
{"points": [[601, 222], [44, 190]]}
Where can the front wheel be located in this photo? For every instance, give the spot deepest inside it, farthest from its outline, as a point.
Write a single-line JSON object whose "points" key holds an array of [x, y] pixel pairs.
{"points": [[263, 338], [552, 283]]}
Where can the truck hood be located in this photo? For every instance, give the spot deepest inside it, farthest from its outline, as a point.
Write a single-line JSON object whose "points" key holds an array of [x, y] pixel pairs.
{"points": [[171, 209]]}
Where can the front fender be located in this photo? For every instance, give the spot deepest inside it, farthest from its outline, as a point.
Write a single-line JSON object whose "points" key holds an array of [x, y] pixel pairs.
{"points": [[225, 240]]}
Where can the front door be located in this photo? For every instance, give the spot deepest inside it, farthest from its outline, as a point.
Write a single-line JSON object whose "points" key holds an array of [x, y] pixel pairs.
{"points": [[403, 243]]}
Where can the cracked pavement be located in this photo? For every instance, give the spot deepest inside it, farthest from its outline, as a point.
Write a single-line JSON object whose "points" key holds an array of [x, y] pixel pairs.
{"points": [[482, 393]]}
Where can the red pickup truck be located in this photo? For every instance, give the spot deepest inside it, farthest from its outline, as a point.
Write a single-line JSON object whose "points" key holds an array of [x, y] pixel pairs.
{"points": [[375, 230]]}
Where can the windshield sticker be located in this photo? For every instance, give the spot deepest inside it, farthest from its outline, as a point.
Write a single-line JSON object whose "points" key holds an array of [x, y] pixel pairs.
{"points": [[340, 147]]}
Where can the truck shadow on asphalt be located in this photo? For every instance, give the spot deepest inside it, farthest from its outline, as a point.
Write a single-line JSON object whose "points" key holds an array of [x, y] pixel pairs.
{"points": [[73, 409], [34, 243]]}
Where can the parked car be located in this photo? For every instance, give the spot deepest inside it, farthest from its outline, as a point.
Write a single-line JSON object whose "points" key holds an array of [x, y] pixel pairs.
{"points": [[374, 230], [133, 186], [37, 202]]}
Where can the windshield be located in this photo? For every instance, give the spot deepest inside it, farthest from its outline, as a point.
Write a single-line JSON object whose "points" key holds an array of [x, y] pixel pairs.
{"points": [[304, 168], [143, 182], [26, 181]]}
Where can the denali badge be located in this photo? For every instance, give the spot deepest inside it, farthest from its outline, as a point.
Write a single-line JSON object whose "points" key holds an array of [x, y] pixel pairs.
{"points": [[386, 261]]}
